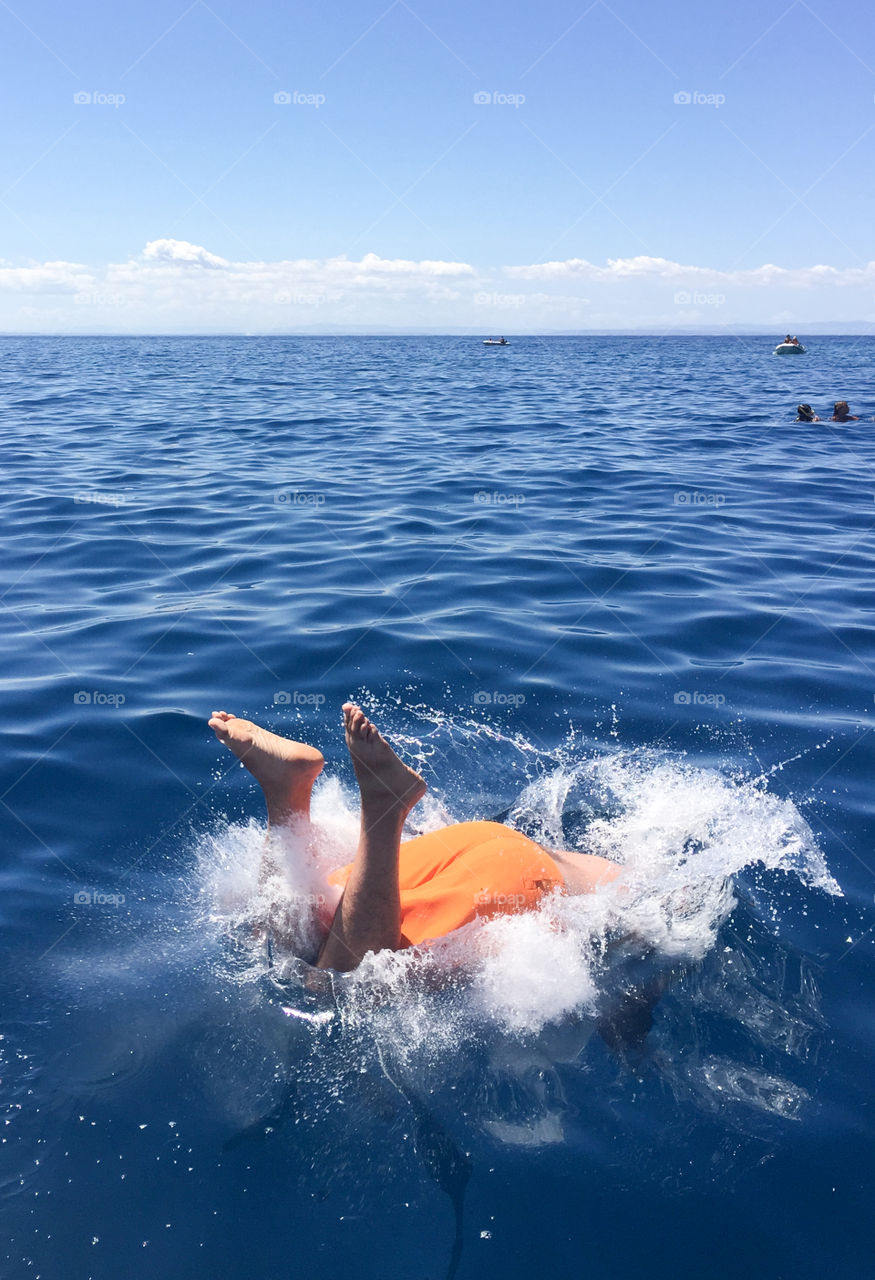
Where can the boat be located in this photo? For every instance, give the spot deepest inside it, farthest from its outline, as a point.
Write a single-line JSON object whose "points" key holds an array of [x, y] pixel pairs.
{"points": [[496, 342], [789, 349]]}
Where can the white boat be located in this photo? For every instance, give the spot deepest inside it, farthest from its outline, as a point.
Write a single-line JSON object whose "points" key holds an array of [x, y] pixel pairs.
{"points": [[789, 349], [496, 342]]}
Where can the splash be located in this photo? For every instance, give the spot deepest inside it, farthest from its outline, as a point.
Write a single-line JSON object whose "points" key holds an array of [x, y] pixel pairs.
{"points": [[686, 837], [250, 885]]}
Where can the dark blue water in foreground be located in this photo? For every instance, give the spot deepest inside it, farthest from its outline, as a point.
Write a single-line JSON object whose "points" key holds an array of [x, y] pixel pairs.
{"points": [[613, 561]]}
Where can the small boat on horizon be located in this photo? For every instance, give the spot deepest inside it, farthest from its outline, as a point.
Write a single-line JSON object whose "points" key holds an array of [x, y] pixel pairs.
{"points": [[789, 348], [496, 342]]}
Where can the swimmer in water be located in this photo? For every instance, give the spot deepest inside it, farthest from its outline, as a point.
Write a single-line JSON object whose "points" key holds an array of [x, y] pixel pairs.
{"points": [[842, 413], [396, 894], [805, 413]]}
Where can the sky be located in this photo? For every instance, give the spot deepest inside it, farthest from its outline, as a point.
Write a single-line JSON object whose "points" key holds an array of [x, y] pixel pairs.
{"points": [[375, 165]]}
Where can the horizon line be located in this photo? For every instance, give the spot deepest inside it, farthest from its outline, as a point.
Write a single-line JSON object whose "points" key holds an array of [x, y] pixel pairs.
{"points": [[655, 332]]}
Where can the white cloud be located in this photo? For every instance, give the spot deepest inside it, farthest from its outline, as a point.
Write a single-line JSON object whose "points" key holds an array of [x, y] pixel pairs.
{"points": [[644, 268], [176, 276], [175, 286], [169, 255], [46, 277], [400, 266], [173, 251]]}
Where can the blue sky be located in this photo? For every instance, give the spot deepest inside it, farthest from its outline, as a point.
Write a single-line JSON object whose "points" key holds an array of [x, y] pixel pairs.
{"points": [[656, 157]]}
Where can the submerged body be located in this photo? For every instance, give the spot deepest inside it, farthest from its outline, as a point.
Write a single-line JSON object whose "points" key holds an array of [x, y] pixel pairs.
{"points": [[464, 872], [395, 893]]}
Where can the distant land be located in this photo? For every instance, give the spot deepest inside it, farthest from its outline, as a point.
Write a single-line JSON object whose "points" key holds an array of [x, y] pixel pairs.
{"points": [[836, 328]]}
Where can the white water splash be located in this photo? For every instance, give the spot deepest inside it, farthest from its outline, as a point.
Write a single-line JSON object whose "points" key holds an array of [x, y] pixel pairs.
{"points": [[683, 834], [484, 1017]]}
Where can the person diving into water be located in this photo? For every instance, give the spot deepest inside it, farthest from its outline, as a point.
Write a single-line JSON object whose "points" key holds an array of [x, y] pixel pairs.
{"points": [[399, 893]]}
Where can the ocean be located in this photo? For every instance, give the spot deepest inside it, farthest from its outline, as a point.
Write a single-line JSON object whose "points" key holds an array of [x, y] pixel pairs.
{"points": [[601, 588]]}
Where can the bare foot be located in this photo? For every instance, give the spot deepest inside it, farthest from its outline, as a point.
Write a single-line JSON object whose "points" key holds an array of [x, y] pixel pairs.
{"points": [[388, 787], [285, 770]]}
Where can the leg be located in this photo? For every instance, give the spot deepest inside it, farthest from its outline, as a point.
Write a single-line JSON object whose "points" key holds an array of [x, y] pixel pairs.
{"points": [[285, 770], [368, 917], [584, 872]]}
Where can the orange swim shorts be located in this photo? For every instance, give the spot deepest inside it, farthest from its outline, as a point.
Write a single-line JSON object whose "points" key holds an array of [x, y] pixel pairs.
{"points": [[470, 870]]}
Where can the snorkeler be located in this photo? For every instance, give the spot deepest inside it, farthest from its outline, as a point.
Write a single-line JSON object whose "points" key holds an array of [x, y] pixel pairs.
{"points": [[805, 413], [842, 413], [396, 894]]}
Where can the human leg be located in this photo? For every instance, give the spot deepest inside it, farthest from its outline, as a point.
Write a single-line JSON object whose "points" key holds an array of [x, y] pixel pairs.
{"points": [[285, 769], [368, 916], [585, 872]]}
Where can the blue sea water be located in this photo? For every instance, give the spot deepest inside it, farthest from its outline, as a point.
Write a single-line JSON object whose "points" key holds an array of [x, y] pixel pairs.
{"points": [[604, 588]]}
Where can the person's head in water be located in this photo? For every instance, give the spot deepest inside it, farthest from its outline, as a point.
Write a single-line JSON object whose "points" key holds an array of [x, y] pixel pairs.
{"points": [[842, 412], [806, 413]]}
